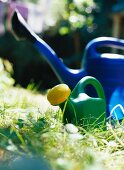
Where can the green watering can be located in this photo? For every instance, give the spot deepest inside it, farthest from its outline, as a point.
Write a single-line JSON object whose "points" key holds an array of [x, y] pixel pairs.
{"points": [[77, 106]]}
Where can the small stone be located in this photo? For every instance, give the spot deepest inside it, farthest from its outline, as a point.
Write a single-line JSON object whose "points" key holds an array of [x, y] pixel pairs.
{"points": [[76, 136], [70, 128]]}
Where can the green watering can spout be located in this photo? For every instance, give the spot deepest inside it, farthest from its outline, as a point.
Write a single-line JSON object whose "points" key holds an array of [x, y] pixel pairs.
{"points": [[78, 107]]}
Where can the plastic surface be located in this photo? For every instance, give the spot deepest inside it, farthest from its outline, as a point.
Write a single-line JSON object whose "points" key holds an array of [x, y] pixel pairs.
{"points": [[22, 31], [80, 108], [64, 74], [107, 68], [83, 109]]}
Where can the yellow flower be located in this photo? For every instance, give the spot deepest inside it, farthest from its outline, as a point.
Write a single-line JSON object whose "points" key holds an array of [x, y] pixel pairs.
{"points": [[58, 94]]}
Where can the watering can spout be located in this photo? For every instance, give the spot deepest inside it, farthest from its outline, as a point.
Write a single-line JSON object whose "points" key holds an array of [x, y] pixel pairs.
{"points": [[66, 75]]}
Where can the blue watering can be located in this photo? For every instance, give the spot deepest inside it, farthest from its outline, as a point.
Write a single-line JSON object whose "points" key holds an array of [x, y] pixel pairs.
{"points": [[107, 68]]}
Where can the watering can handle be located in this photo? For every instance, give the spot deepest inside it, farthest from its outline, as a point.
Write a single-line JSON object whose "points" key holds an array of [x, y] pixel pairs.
{"points": [[91, 48], [88, 80]]}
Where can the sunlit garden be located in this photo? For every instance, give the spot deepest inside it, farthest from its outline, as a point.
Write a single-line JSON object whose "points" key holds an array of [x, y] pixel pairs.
{"points": [[61, 88]]}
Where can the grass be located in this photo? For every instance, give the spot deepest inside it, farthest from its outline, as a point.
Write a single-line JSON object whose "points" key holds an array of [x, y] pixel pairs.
{"points": [[32, 131]]}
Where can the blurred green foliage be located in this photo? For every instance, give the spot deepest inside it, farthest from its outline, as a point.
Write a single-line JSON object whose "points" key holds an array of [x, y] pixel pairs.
{"points": [[87, 17], [5, 77], [32, 1], [69, 15]]}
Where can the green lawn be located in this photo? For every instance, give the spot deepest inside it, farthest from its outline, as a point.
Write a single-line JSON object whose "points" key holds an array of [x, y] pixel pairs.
{"points": [[32, 131]]}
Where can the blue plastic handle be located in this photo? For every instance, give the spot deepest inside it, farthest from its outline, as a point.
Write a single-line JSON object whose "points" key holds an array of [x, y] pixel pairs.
{"points": [[91, 48], [108, 68]]}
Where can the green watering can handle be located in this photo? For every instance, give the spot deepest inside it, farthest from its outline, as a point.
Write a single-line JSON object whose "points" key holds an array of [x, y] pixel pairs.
{"points": [[88, 80]]}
